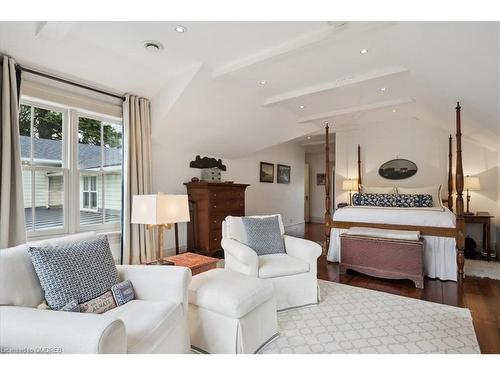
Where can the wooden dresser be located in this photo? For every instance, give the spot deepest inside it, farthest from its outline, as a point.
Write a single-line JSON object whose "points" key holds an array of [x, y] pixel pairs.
{"points": [[209, 204]]}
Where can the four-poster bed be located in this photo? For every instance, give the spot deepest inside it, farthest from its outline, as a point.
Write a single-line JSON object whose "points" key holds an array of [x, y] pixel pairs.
{"points": [[442, 230]]}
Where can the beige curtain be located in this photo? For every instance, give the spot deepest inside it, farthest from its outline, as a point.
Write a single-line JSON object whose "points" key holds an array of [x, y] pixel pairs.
{"points": [[12, 230], [138, 245]]}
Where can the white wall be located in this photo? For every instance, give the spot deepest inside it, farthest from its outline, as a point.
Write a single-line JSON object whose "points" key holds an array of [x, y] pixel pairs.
{"points": [[425, 146], [171, 170]]}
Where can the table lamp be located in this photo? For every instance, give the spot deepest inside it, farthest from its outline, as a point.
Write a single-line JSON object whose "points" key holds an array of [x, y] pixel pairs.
{"points": [[350, 185], [159, 211], [471, 183]]}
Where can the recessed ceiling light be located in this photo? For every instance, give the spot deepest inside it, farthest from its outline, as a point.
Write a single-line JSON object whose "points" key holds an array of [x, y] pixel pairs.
{"points": [[263, 82], [153, 46], [364, 51], [302, 106], [180, 29], [308, 137], [383, 89], [394, 110]]}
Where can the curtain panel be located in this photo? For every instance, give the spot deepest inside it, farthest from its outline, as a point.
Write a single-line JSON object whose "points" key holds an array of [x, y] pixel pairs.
{"points": [[12, 221], [138, 242]]}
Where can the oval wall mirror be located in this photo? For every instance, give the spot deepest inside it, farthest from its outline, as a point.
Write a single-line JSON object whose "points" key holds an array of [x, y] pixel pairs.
{"points": [[397, 169]]}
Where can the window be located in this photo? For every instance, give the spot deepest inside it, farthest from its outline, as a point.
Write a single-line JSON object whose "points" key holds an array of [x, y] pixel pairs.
{"points": [[89, 193], [44, 166], [72, 169], [100, 168]]}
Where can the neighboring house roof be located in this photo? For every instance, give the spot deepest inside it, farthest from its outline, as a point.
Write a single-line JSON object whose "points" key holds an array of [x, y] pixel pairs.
{"points": [[88, 155]]}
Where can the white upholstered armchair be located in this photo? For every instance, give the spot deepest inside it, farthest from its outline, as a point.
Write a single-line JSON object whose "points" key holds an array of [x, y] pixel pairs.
{"points": [[293, 274], [154, 322]]}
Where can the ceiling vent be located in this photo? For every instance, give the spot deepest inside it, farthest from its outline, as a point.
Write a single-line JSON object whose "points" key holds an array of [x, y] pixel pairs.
{"points": [[153, 46]]}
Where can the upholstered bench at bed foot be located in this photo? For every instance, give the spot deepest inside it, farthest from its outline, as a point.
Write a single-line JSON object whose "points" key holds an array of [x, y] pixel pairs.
{"points": [[231, 313], [388, 254]]}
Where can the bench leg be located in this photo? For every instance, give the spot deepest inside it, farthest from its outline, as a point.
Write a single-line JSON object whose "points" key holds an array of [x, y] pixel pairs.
{"points": [[419, 282], [343, 269]]}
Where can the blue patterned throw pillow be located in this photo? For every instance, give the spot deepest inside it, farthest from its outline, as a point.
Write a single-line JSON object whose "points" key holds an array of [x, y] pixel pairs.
{"points": [[392, 200], [264, 235], [81, 271], [123, 292], [414, 200], [374, 199]]}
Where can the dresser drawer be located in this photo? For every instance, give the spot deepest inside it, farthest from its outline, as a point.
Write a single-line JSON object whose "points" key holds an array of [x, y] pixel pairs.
{"points": [[221, 196], [215, 238], [229, 205], [216, 221]]}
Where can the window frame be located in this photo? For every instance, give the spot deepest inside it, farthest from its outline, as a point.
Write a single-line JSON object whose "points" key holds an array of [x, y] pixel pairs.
{"points": [[32, 168], [103, 226], [70, 171]]}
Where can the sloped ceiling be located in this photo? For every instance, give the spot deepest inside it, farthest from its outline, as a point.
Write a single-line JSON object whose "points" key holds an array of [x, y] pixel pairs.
{"points": [[205, 86]]}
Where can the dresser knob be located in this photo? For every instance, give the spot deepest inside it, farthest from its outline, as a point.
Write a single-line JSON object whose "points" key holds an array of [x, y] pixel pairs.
{"points": [[215, 206]]}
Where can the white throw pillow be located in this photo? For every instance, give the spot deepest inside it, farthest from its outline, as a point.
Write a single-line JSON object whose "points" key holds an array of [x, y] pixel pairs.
{"points": [[377, 190], [434, 190]]}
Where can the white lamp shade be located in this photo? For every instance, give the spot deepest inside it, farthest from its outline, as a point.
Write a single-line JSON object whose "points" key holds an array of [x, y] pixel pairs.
{"points": [[160, 209], [351, 184], [472, 183]]}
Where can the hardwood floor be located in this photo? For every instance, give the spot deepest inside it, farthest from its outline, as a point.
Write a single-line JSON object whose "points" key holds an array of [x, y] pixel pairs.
{"points": [[480, 295]]}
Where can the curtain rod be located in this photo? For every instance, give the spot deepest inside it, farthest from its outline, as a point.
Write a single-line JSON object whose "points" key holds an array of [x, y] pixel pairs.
{"points": [[45, 75]]}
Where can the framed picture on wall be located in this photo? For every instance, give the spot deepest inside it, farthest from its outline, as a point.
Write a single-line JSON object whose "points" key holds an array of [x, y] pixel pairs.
{"points": [[320, 178], [283, 174], [266, 172]]}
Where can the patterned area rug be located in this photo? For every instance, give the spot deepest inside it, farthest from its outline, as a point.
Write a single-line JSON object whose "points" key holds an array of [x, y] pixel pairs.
{"points": [[356, 320], [482, 268]]}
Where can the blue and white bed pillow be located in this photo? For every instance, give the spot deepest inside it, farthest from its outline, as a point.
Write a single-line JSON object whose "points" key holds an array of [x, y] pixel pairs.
{"points": [[374, 199], [414, 200], [392, 200]]}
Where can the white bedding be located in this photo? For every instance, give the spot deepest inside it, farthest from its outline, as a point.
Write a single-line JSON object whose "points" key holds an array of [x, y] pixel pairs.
{"points": [[439, 252], [427, 217]]}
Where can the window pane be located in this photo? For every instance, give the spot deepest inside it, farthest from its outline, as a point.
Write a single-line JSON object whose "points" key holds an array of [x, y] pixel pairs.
{"points": [[93, 184], [112, 137], [47, 138], [24, 132], [86, 200], [89, 143], [112, 197], [27, 199], [91, 201], [49, 199]]}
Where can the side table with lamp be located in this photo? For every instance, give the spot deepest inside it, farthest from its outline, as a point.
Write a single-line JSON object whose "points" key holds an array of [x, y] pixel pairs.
{"points": [[472, 183]]}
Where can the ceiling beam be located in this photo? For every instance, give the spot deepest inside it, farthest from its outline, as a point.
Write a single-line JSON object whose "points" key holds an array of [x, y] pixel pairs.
{"points": [[341, 31], [355, 109], [338, 83]]}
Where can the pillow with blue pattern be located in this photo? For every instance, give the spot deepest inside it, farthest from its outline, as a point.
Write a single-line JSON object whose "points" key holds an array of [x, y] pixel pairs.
{"points": [[77, 271], [374, 199], [392, 200]]}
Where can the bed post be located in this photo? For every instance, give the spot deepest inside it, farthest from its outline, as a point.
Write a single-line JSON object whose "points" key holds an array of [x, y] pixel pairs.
{"points": [[450, 175], [328, 215], [459, 183], [359, 167]]}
